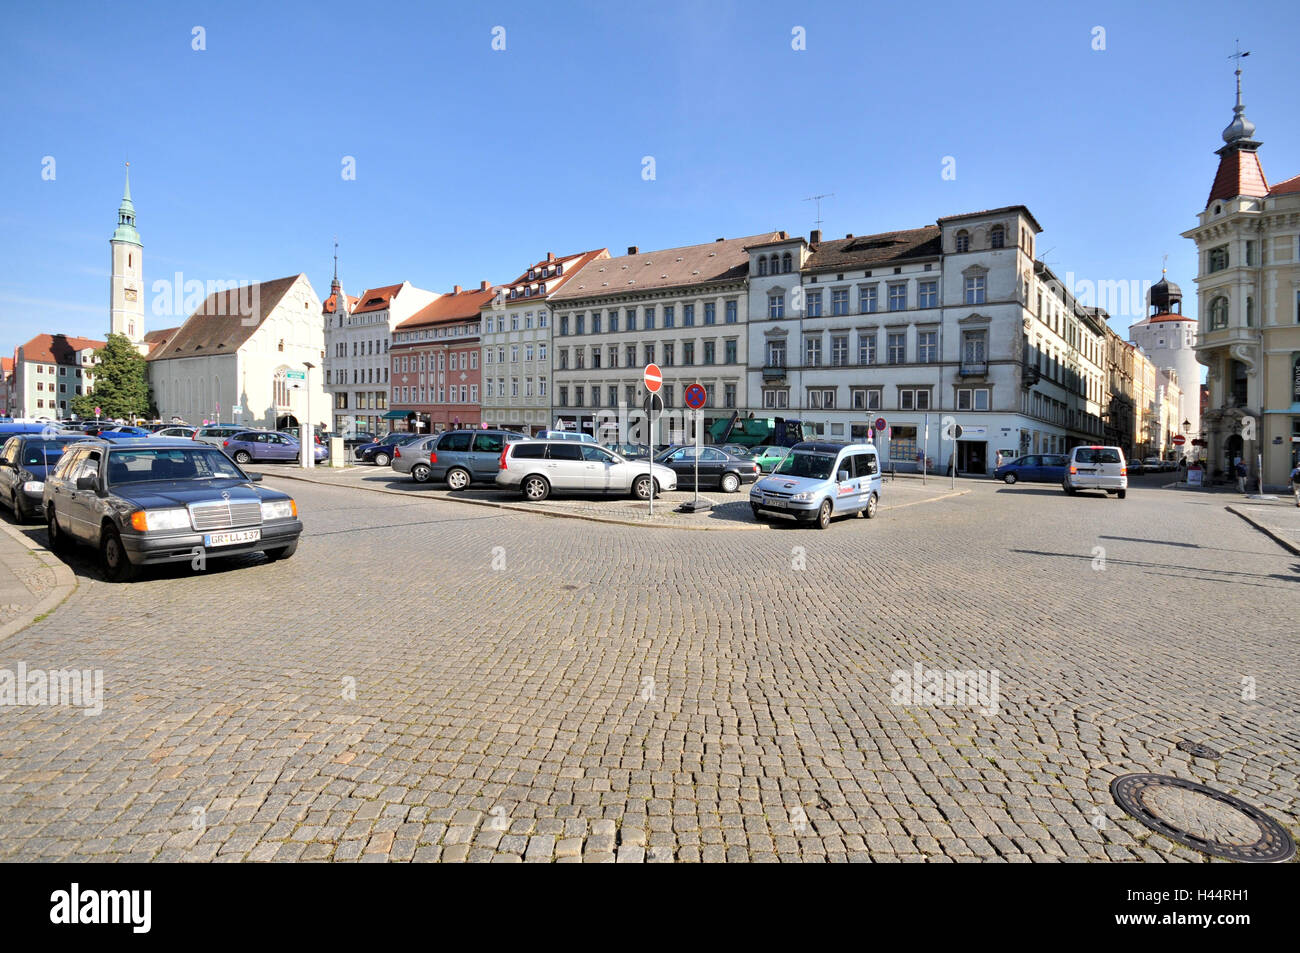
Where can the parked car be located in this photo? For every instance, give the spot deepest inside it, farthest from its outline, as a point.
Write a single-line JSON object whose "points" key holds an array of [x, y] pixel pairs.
{"points": [[25, 461], [1156, 465], [412, 458], [462, 457], [181, 432], [216, 434], [252, 445], [380, 453], [538, 468], [565, 435], [1033, 468], [629, 451], [1096, 468], [149, 501], [716, 468], [819, 481], [768, 457], [736, 450]]}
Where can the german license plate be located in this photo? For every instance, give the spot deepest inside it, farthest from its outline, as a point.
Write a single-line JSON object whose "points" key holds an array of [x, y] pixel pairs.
{"points": [[233, 538]]}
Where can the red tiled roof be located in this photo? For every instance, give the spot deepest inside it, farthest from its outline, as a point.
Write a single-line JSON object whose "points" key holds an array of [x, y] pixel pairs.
{"points": [[1286, 186], [863, 250], [376, 299], [1163, 317], [572, 265], [1239, 174], [224, 321], [57, 348], [328, 307], [7, 365], [450, 308]]}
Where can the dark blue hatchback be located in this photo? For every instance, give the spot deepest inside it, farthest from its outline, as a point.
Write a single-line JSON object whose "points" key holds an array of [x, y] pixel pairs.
{"points": [[25, 461], [1033, 468]]}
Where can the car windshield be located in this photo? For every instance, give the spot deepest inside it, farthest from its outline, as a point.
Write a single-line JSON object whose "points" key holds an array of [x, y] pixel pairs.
{"points": [[814, 466], [144, 466], [43, 453], [1097, 455]]}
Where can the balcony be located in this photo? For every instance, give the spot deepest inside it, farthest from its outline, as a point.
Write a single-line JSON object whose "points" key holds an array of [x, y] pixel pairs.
{"points": [[974, 368]]}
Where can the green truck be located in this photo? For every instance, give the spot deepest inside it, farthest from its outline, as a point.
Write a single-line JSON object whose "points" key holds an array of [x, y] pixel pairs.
{"points": [[760, 431]]}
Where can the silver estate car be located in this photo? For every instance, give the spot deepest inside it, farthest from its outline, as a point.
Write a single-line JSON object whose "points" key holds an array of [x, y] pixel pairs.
{"points": [[538, 468], [1096, 468], [818, 481]]}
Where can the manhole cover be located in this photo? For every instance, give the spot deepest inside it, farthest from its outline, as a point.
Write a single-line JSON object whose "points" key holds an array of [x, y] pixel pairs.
{"points": [[1198, 750], [1202, 818]]}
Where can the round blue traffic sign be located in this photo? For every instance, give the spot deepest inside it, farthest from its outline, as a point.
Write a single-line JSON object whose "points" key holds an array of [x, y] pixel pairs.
{"points": [[695, 396]]}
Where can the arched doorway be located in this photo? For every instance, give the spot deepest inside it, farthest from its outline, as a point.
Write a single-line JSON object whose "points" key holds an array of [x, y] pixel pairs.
{"points": [[1233, 448], [284, 421]]}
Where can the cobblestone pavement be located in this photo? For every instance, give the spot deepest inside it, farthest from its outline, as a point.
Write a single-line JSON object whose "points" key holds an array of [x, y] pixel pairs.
{"points": [[434, 681], [26, 580]]}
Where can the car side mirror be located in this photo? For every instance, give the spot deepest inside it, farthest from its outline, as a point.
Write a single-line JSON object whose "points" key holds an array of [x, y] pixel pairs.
{"points": [[86, 482], [254, 478], [842, 476]]}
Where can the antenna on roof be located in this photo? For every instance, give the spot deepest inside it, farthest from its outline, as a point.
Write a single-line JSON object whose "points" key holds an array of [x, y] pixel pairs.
{"points": [[336, 258], [818, 200]]}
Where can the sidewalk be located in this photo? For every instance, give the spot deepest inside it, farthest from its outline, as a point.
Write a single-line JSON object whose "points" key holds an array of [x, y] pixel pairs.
{"points": [[33, 582], [1278, 518]]}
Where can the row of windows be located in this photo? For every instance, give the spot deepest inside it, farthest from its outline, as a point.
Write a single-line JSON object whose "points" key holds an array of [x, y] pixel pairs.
{"points": [[997, 238], [456, 331], [446, 394], [869, 298], [974, 349], [368, 375], [364, 400], [63, 388], [447, 360], [359, 348], [579, 394], [664, 353], [530, 352], [498, 322], [497, 388], [650, 314]]}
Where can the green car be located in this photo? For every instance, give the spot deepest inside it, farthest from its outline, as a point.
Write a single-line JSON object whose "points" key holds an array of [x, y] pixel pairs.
{"points": [[768, 457]]}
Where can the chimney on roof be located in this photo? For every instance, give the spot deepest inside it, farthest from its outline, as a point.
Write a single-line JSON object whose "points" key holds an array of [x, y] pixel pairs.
{"points": [[633, 250], [783, 235], [849, 235], [550, 256], [719, 240], [455, 289], [815, 237], [483, 286]]}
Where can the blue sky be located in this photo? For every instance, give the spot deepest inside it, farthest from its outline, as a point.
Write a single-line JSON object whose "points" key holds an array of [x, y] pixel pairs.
{"points": [[472, 163]]}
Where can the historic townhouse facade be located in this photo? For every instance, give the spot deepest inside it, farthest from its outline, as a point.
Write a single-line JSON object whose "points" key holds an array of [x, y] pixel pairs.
{"points": [[683, 308], [48, 372], [516, 334], [1248, 290], [954, 320], [434, 363], [358, 337]]}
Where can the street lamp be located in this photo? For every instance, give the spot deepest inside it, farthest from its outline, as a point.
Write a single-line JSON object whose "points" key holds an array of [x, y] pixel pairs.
{"points": [[306, 432]]}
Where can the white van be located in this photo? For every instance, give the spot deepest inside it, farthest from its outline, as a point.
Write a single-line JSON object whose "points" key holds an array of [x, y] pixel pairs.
{"points": [[1096, 468]]}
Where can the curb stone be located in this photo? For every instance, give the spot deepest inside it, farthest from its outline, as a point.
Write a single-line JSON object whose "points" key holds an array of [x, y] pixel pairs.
{"points": [[1266, 530], [65, 583]]}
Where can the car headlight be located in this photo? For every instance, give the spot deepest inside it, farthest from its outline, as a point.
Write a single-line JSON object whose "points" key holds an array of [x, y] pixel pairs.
{"points": [[30, 485], [145, 520], [802, 497], [279, 509]]}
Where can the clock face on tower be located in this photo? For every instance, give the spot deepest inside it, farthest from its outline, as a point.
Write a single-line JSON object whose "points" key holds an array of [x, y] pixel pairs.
{"points": [[129, 293]]}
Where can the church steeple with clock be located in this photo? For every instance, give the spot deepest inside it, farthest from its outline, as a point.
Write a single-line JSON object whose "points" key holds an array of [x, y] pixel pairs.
{"points": [[126, 289]]}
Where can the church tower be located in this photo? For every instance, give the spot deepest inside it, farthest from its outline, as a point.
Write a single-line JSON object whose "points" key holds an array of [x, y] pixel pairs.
{"points": [[126, 288], [1169, 339]]}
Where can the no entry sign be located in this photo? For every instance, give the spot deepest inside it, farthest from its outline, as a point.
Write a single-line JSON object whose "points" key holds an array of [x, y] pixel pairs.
{"points": [[695, 396], [654, 378], [1179, 440]]}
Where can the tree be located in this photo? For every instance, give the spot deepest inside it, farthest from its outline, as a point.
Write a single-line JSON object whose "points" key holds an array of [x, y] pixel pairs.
{"points": [[121, 387]]}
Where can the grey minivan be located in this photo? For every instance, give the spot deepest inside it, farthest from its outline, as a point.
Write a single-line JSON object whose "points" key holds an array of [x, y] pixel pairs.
{"points": [[818, 481], [460, 457]]}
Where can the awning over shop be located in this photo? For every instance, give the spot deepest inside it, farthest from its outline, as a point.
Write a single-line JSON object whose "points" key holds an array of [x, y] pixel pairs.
{"points": [[397, 415]]}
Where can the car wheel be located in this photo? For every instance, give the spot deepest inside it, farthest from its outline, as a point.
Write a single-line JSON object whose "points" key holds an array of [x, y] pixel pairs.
{"points": [[420, 473], [117, 565], [1009, 478], [730, 483], [1069, 490], [20, 508], [1122, 493], [535, 489], [382, 459], [55, 538], [457, 479], [243, 457], [283, 552], [758, 514], [870, 511], [642, 487], [824, 514]]}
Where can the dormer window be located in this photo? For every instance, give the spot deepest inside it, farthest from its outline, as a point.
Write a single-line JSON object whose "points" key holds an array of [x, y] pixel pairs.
{"points": [[541, 290], [559, 270]]}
